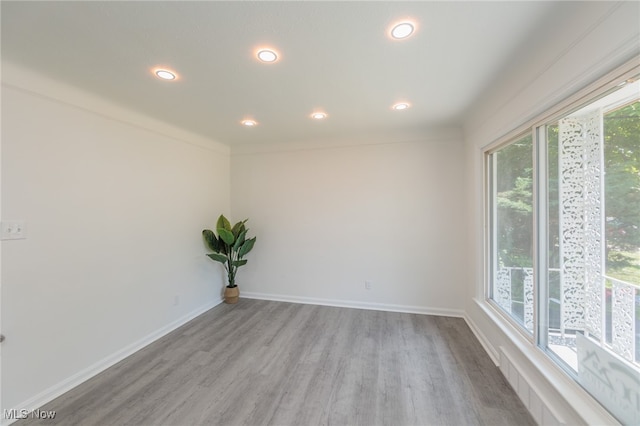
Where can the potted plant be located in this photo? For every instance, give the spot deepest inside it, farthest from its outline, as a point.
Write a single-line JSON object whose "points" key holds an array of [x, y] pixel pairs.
{"points": [[230, 247]]}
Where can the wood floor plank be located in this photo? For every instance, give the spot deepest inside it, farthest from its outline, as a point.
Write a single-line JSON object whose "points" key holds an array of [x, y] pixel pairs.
{"points": [[273, 363]]}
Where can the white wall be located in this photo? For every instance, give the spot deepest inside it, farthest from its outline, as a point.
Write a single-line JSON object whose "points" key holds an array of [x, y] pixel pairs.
{"points": [[114, 205], [115, 202], [573, 50], [330, 218]]}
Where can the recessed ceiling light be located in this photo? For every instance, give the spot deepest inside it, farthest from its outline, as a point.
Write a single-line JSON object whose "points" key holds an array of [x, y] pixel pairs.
{"points": [[400, 106], [267, 55], [249, 123], [165, 74], [402, 30], [319, 115]]}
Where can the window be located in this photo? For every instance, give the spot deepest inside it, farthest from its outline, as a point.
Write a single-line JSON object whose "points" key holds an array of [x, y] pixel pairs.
{"points": [[593, 255], [511, 182], [578, 294]]}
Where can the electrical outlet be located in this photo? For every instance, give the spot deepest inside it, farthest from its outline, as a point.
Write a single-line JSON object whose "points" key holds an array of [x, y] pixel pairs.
{"points": [[367, 285], [176, 300], [13, 230]]}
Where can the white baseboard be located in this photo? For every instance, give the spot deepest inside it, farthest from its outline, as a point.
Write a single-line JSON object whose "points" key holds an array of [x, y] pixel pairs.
{"points": [[486, 344], [458, 313], [66, 385]]}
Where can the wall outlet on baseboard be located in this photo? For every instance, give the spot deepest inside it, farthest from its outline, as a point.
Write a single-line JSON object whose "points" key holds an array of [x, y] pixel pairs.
{"points": [[176, 300], [367, 285]]}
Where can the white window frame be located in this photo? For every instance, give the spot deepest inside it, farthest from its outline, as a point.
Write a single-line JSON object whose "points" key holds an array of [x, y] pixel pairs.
{"points": [[490, 221], [534, 347]]}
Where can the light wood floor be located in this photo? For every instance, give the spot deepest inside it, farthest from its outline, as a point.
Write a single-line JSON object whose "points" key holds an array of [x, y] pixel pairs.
{"points": [[273, 363]]}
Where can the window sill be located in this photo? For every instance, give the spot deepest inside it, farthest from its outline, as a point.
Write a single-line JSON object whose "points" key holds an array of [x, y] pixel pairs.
{"points": [[543, 370]]}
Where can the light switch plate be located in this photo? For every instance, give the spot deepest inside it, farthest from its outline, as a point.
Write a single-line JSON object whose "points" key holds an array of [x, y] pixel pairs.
{"points": [[13, 230]]}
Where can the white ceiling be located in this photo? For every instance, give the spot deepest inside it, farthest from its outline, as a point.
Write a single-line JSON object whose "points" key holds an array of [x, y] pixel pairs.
{"points": [[335, 56]]}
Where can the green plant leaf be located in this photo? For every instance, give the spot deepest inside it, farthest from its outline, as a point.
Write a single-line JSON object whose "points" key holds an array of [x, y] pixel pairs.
{"points": [[223, 223], [246, 247], [218, 257], [223, 247], [226, 236], [238, 228], [240, 240], [237, 263], [211, 240]]}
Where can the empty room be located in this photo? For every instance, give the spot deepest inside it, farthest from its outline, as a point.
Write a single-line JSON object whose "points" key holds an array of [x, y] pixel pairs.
{"points": [[320, 213]]}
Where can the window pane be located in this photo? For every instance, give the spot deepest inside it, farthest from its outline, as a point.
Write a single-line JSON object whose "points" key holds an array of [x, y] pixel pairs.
{"points": [[593, 226], [512, 207]]}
